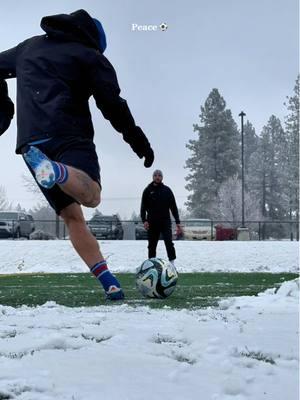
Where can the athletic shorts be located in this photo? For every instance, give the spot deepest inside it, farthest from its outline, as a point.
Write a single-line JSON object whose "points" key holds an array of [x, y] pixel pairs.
{"points": [[75, 152]]}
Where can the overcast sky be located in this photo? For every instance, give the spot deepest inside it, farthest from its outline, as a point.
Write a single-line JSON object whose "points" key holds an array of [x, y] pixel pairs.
{"points": [[248, 49]]}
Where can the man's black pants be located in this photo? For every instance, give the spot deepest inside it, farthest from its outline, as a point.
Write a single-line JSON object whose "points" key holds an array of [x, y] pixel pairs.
{"points": [[155, 229]]}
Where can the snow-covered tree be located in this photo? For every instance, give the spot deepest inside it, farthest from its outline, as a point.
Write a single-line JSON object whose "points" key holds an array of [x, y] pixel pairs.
{"points": [[215, 155], [135, 217], [229, 205], [250, 145], [20, 208], [292, 131], [267, 171], [31, 186], [45, 218], [4, 203]]}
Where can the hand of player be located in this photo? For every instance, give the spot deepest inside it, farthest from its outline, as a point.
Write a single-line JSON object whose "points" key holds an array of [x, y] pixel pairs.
{"points": [[178, 229], [6, 108], [146, 225], [140, 145]]}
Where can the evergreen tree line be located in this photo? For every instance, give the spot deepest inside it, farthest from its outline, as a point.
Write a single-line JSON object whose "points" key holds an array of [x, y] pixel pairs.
{"points": [[271, 165]]}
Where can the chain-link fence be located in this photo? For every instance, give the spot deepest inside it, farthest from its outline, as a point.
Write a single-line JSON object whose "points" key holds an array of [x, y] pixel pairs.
{"points": [[115, 229]]}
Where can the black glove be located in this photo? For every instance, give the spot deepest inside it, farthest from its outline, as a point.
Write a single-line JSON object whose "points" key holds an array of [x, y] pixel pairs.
{"points": [[7, 109], [140, 145]]}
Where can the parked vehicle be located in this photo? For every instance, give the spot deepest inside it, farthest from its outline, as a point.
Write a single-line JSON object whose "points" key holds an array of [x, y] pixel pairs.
{"points": [[140, 231], [106, 227], [41, 235], [198, 229], [31, 221], [16, 224], [142, 234]]}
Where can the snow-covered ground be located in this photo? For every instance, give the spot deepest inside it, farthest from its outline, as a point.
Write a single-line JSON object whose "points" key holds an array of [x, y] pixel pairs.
{"points": [[59, 256], [245, 349]]}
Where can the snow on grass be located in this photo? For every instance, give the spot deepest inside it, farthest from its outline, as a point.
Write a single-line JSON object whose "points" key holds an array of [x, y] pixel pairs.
{"points": [[245, 349], [126, 256]]}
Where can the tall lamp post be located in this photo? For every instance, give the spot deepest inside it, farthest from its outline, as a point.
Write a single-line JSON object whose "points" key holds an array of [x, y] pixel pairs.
{"points": [[242, 115]]}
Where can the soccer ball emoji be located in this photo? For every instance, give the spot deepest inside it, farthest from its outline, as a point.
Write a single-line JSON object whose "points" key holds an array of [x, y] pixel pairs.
{"points": [[163, 26]]}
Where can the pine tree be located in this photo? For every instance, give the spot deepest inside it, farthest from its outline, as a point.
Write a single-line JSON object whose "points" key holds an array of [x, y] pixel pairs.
{"points": [[292, 130], [277, 169], [135, 217], [267, 173], [250, 145], [20, 208], [258, 172], [45, 218], [215, 155]]}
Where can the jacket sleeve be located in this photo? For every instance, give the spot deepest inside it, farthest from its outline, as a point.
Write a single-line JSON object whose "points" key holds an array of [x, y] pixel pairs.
{"points": [[144, 206], [173, 207], [106, 92], [6, 108], [8, 63]]}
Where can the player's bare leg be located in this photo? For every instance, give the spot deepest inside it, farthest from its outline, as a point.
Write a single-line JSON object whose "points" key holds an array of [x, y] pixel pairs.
{"points": [[82, 188], [82, 239], [88, 248]]}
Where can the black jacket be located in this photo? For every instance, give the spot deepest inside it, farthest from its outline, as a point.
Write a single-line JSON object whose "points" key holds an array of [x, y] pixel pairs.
{"points": [[56, 75], [157, 201]]}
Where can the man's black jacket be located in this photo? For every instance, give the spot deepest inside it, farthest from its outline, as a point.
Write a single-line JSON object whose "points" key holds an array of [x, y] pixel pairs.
{"points": [[157, 201], [56, 75]]}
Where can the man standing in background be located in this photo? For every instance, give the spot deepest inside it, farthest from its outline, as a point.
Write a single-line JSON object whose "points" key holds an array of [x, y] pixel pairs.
{"points": [[157, 202]]}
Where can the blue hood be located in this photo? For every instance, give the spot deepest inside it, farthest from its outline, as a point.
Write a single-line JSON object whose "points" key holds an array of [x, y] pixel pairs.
{"points": [[101, 35]]}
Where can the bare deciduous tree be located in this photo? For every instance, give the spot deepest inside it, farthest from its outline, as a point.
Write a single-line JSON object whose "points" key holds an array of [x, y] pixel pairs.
{"points": [[31, 186], [230, 203], [4, 204]]}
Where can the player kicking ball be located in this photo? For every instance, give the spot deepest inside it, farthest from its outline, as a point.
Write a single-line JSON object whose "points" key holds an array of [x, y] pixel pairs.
{"points": [[57, 73]]}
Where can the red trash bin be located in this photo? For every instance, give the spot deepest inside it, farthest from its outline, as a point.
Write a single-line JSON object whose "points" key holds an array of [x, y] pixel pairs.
{"points": [[225, 233]]}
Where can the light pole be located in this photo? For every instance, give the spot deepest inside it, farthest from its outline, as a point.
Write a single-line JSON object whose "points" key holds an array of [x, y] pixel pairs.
{"points": [[242, 115]]}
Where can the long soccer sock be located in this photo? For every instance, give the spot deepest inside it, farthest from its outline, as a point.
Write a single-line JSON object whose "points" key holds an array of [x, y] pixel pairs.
{"points": [[47, 172], [104, 276], [61, 172]]}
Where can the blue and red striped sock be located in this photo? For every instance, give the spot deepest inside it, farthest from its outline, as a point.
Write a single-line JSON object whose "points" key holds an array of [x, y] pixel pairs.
{"points": [[61, 172], [104, 276]]}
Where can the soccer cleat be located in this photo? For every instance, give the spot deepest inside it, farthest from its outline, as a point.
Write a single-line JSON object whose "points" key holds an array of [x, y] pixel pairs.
{"points": [[42, 167], [173, 266], [47, 172], [114, 293]]}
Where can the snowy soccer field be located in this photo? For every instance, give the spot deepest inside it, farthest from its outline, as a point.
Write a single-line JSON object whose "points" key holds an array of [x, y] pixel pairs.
{"points": [[245, 348]]}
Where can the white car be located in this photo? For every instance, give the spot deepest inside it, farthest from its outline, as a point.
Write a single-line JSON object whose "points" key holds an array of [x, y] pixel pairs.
{"points": [[198, 229], [16, 224]]}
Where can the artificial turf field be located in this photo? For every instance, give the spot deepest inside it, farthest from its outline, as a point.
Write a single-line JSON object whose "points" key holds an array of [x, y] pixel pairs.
{"points": [[194, 290]]}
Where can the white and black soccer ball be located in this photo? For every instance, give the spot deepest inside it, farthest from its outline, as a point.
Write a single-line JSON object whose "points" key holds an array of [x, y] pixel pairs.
{"points": [[163, 26], [156, 278]]}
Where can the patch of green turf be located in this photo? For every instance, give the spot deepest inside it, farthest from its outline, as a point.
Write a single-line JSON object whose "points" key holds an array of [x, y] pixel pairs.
{"points": [[194, 290]]}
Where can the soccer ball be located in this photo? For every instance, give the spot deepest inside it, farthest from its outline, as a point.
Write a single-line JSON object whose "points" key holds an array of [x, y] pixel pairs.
{"points": [[156, 278], [163, 26]]}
